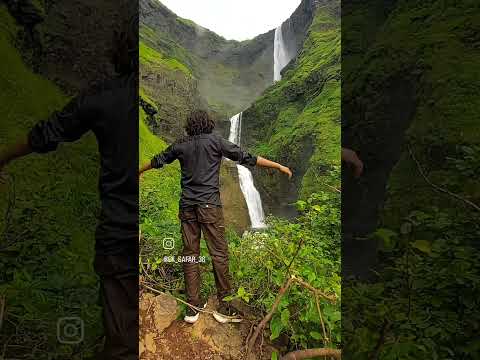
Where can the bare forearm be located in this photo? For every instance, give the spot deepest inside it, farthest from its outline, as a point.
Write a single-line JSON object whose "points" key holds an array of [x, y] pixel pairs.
{"points": [[262, 162], [21, 148], [145, 167]]}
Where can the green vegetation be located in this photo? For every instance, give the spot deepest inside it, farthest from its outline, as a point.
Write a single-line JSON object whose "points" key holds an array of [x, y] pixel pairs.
{"points": [[297, 120], [46, 270], [309, 248], [161, 43], [168, 79], [229, 74], [423, 306], [187, 22], [153, 58], [160, 190], [426, 307]]}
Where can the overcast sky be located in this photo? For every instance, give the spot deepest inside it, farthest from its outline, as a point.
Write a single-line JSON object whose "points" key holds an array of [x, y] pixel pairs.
{"points": [[235, 19]]}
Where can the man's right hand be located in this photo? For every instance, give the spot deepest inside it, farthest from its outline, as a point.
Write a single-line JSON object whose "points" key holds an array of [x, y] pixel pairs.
{"points": [[285, 170], [351, 158]]}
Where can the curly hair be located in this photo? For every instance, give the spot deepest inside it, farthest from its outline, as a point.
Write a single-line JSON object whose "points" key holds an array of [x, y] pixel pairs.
{"points": [[199, 122]]}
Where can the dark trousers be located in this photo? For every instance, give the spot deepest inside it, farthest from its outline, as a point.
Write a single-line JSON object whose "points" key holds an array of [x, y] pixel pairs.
{"points": [[208, 220], [119, 297]]}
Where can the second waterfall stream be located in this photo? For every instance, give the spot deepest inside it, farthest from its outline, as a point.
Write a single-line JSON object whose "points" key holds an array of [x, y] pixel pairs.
{"points": [[251, 194]]}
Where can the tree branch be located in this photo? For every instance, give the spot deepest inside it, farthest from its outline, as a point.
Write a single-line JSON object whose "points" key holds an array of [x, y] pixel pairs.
{"points": [[266, 319], [438, 188], [312, 353]]}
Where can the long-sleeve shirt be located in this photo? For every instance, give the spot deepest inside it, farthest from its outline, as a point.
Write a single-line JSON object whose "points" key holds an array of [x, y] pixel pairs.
{"points": [[110, 111], [200, 158]]}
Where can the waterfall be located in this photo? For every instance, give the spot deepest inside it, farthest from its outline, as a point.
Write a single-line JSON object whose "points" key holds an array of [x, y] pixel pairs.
{"points": [[281, 56], [235, 129], [250, 193]]}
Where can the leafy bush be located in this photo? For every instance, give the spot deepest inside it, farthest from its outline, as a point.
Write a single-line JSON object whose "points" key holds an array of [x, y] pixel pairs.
{"points": [[308, 248], [426, 304]]}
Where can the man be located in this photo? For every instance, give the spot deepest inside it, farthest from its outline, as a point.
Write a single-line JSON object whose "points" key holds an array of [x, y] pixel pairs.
{"points": [[200, 155], [110, 111]]}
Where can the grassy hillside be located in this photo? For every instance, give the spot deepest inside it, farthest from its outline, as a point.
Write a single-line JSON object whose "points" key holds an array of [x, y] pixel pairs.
{"points": [[169, 81], [160, 189], [297, 121], [46, 249]]}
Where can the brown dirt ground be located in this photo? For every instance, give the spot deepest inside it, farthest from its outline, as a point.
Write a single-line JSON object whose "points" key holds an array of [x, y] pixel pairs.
{"points": [[205, 340]]}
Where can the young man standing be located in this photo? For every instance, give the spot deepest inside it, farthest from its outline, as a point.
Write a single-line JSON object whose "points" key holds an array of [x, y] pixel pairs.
{"points": [[200, 154]]}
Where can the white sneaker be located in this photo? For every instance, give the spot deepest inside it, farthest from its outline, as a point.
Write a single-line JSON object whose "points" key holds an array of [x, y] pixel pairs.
{"points": [[193, 315], [226, 314]]}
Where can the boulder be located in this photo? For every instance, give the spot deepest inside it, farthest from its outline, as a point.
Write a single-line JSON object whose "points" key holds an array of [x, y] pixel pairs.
{"points": [[157, 312]]}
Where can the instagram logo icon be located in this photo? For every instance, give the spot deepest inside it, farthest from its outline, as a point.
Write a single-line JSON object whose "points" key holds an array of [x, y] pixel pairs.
{"points": [[168, 243], [70, 330]]}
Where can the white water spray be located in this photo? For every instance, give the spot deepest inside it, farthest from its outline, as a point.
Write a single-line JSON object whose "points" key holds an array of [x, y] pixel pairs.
{"points": [[251, 194], [281, 56]]}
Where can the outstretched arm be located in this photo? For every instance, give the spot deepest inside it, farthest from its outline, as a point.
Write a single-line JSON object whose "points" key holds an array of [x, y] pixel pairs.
{"points": [[234, 152], [21, 148], [158, 161], [145, 167], [262, 162], [66, 125]]}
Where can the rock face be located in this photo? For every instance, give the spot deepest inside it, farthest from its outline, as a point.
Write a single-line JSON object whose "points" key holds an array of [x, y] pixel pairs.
{"points": [[71, 45], [296, 27], [156, 314], [230, 74]]}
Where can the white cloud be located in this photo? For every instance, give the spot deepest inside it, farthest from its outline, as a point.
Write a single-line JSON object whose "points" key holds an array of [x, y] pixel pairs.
{"points": [[235, 19]]}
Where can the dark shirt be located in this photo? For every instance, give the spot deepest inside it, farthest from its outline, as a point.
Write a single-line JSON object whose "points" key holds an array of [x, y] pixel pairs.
{"points": [[110, 111], [200, 158]]}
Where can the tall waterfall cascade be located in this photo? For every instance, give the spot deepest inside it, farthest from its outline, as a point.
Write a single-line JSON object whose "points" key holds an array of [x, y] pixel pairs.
{"points": [[281, 55], [250, 193]]}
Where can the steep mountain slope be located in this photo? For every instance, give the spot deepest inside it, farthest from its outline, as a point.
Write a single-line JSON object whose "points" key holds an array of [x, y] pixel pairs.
{"points": [[297, 121], [230, 74], [223, 76], [184, 66], [172, 85]]}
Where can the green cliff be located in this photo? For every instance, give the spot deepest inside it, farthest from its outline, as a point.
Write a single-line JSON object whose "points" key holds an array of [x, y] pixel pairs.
{"points": [[297, 121]]}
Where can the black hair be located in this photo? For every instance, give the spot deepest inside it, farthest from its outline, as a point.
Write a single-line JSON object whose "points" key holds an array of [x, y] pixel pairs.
{"points": [[199, 122]]}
